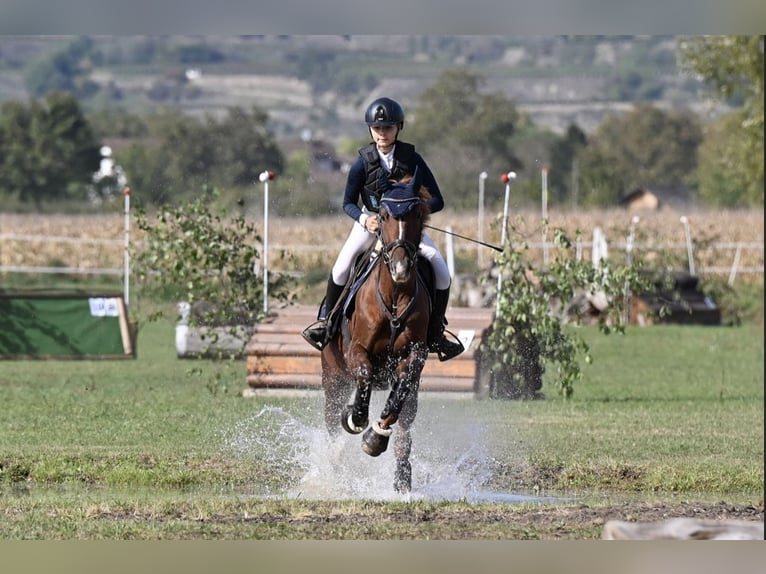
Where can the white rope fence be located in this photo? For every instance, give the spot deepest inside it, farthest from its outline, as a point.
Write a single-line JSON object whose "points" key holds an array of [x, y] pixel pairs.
{"points": [[738, 249]]}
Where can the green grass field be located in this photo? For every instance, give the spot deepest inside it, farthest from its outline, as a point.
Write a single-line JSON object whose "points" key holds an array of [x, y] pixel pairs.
{"points": [[665, 412]]}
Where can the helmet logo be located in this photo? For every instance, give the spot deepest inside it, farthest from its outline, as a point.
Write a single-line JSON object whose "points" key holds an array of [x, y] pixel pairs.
{"points": [[380, 114]]}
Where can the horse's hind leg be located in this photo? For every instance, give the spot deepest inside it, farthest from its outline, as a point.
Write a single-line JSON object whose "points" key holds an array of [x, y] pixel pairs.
{"points": [[403, 445], [334, 400], [336, 385]]}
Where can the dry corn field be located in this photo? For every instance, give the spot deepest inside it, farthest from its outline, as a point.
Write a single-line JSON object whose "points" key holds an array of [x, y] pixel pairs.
{"points": [[303, 244]]}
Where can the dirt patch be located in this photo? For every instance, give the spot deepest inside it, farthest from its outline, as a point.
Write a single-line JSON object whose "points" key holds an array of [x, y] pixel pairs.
{"points": [[565, 522], [465, 522]]}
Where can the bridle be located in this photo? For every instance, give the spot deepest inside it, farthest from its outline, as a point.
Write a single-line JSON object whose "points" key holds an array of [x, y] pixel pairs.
{"points": [[395, 317], [387, 248]]}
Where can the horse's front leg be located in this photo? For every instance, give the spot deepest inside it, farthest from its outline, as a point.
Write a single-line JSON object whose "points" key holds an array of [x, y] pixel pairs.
{"points": [[356, 415], [407, 379]]}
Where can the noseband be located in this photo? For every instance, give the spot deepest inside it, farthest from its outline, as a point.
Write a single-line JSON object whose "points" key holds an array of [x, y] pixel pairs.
{"points": [[388, 248]]}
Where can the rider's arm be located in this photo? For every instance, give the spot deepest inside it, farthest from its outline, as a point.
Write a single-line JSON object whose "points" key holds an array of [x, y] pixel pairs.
{"points": [[436, 203], [354, 187]]}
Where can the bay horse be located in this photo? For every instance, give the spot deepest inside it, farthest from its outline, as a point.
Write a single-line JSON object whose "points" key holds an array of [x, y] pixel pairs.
{"points": [[382, 343]]}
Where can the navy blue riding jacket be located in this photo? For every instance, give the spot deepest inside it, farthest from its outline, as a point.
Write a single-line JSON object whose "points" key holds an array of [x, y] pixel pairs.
{"points": [[364, 177]]}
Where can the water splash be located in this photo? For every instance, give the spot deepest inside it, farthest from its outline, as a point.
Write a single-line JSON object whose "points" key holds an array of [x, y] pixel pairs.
{"points": [[449, 458]]}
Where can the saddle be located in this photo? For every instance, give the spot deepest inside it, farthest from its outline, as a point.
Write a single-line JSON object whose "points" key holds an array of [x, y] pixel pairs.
{"points": [[365, 263]]}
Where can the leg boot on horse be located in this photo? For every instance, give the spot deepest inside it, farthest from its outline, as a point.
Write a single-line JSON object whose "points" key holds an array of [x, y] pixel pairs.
{"points": [[375, 439], [437, 342], [319, 333], [355, 416]]}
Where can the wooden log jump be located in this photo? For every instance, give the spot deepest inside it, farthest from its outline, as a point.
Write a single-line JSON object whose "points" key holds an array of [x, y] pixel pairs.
{"points": [[278, 357]]}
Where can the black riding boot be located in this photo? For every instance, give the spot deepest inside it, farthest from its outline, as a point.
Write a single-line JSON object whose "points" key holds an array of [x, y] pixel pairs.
{"points": [[437, 342], [318, 334]]}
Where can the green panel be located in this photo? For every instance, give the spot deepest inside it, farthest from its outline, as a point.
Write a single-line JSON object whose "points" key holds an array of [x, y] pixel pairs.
{"points": [[74, 326]]}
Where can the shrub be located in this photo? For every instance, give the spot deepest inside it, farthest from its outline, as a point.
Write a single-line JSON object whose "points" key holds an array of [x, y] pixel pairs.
{"points": [[197, 254], [534, 306]]}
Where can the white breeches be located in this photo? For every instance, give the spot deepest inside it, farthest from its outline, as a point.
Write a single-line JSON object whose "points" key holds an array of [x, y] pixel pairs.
{"points": [[359, 240]]}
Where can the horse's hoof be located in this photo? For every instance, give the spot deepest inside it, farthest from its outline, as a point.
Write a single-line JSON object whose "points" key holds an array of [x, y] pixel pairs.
{"points": [[375, 439], [347, 421]]}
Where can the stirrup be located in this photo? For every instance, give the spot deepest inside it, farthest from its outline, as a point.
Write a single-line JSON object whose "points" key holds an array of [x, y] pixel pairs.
{"points": [[446, 349], [313, 329]]}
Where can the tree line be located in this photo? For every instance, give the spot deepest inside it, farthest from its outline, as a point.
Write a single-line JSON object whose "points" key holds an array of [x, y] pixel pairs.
{"points": [[49, 146]]}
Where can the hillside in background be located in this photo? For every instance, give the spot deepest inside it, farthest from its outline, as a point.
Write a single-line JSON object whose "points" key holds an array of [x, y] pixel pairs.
{"points": [[322, 83]]}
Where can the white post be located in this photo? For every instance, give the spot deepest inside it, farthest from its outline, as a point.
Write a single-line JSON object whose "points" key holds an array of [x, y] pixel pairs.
{"points": [[627, 295], [735, 264], [126, 254], [479, 250], [265, 177], [450, 251], [506, 178], [631, 239], [545, 214], [689, 254], [599, 250], [578, 249]]}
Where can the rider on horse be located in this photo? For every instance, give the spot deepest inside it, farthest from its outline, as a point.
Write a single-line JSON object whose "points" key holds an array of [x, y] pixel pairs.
{"points": [[393, 159]]}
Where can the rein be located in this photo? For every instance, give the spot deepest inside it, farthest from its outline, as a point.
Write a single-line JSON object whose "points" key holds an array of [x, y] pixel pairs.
{"points": [[395, 318]]}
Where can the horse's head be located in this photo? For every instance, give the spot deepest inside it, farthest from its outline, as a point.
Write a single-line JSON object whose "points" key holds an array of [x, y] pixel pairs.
{"points": [[403, 212]]}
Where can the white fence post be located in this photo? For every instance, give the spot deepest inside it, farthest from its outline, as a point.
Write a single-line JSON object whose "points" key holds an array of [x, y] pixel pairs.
{"points": [[479, 250], [735, 264], [126, 255], [544, 175], [264, 177], [506, 178], [689, 253]]}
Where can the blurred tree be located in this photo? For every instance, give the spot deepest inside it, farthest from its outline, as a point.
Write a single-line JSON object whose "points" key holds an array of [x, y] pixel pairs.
{"points": [[318, 67], [631, 85], [463, 132], [729, 173], [63, 71], [731, 170], [647, 147], [199, 53], [563, 173], [16, 162], [243, 146], [182, 154], [116, 123], [47, 149]]}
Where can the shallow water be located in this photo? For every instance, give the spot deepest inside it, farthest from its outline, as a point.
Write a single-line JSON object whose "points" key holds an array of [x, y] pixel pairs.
{"points": [[449, 463]]}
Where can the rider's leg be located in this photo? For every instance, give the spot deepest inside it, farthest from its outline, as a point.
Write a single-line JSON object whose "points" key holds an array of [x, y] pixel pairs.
{"points": [[437, 342], [357, 241], [317, 334]]}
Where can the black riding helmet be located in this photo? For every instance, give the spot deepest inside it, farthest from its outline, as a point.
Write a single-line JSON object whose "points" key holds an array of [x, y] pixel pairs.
{"points": [[384, 112]]}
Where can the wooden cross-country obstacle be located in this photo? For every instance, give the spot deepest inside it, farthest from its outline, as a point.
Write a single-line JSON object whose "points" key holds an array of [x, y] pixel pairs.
{"points": [[279, 358]]}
